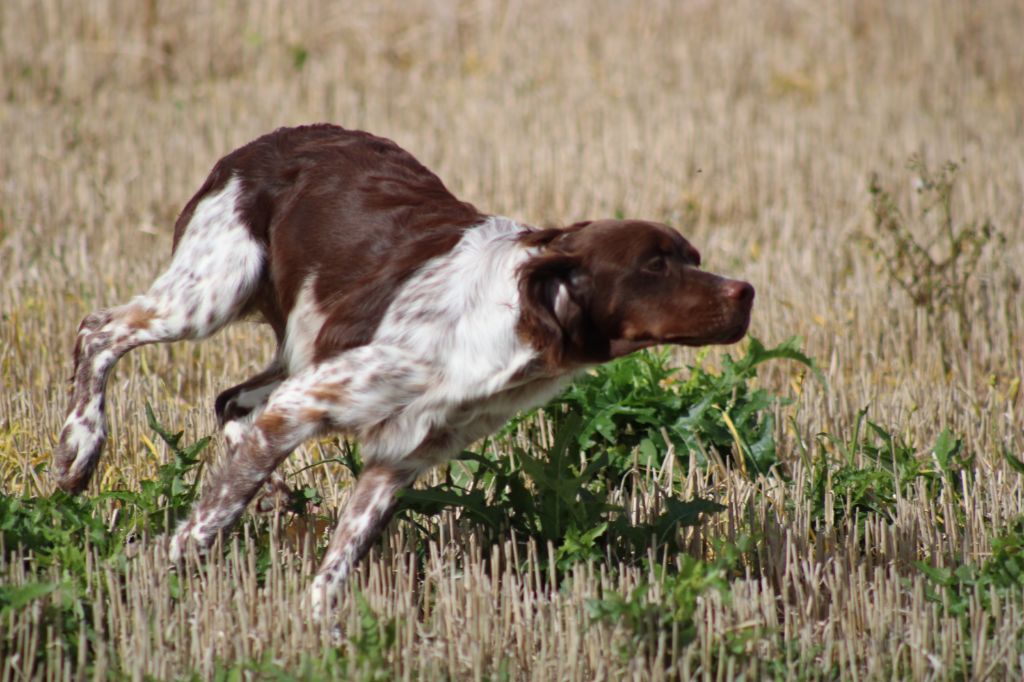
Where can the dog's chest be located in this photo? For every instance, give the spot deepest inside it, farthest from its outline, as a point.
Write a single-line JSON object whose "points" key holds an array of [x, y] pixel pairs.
{"points": [[459, 315], [502, 405], [456, 426]]}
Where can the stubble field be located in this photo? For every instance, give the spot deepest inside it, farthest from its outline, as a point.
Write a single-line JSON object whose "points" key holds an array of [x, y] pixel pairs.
{"points": [[865, 552]]}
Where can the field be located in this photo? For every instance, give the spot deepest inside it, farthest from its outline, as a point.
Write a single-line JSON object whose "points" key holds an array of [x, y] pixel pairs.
{"points": [[862, 523]]}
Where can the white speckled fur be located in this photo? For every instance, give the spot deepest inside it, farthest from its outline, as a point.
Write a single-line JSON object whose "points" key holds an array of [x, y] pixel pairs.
{"points": [[465, 309], [215, 266], [444, 357], [214, 269]]}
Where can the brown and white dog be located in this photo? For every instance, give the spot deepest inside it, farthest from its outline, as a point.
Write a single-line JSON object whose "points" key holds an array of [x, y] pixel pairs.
{"points": [[403, 317]]}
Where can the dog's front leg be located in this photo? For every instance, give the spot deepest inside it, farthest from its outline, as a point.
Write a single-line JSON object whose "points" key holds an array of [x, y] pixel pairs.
{"points": [[351, 392], [254, 452], [367, 513]]}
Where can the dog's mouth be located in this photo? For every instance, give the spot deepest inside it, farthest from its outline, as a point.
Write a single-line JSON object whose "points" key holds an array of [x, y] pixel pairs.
{"points": [[726, 334], [718, 326], [724, 339], [733, 335], [730, 335]]}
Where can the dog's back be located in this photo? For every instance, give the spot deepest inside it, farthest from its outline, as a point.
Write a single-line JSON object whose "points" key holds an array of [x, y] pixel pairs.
{"points": [[350, 211]]}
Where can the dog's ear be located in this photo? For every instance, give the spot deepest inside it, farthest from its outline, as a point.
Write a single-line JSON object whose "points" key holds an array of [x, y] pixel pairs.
{"points": [[553, 293], [553, 237]]}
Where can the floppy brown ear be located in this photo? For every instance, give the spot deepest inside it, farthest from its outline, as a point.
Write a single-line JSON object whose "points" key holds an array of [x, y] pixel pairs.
{"points": [[552, 294]]}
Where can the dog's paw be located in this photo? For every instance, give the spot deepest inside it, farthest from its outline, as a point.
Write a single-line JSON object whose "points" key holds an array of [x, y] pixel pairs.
{"points": [[175, 546], [325, 616], [276, 495], [187, 539], [77, 454]]}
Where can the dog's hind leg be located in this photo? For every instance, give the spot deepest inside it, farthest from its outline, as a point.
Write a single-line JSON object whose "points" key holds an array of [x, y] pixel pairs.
{"points": [[217, 266]]}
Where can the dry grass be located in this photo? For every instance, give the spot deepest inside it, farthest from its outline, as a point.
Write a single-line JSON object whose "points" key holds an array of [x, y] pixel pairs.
{"points": [[753, 127]]}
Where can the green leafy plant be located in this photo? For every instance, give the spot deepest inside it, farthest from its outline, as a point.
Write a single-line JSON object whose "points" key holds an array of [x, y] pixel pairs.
{"points": [[635, 401], [866, 471], [555, 499], [630, 413], [61, 531], [1002, 572], [169, 497], [372, 643], [929, 254], [653, 609], [955, 589], [646, 618]]}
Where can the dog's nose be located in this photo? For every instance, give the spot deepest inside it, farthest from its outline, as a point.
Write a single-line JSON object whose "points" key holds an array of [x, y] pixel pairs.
{"points": [[741, 292]]}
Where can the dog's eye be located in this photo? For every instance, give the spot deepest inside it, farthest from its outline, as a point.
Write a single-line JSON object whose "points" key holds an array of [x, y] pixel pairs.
{"points": [[656, 264]]}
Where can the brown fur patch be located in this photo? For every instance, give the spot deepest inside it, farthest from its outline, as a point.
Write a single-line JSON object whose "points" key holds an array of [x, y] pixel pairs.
{"points": [[334, 393], [139, 318], [274, 425], [312, 415]]}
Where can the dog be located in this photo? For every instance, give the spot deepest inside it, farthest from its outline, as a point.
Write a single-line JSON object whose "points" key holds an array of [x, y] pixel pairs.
{"points": [[403, 317]]}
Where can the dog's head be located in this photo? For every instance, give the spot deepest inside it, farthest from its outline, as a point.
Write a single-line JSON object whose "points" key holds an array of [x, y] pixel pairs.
{"points": [[599, 290]]}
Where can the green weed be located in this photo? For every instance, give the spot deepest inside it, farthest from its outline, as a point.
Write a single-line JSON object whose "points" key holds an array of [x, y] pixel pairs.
{"points": [[636, 401], [628, 414], [929, 254], [868, 471], [664, 609], [1002, 573], [60, 531]]}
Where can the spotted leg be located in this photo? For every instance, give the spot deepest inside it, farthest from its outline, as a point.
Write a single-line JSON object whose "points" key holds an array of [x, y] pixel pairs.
{"points": [[215, 269], [356, 392], [367, 513], [373, 502], [241, 401]]}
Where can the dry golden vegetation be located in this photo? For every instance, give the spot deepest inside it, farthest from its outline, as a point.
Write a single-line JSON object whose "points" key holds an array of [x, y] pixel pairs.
{"points": [[754, 128]]}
